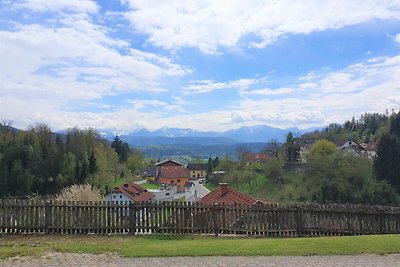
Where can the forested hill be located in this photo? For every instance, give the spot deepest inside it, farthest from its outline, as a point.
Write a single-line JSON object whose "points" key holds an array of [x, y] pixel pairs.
{"points": [[368, 128], [39, 161]]}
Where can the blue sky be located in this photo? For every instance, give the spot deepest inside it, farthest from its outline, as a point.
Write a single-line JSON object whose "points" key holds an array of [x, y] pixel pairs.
{"points": [[207, 65]]}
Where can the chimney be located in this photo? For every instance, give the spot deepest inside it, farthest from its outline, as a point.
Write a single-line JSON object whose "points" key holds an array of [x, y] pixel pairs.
{"points": [[223, 189]]}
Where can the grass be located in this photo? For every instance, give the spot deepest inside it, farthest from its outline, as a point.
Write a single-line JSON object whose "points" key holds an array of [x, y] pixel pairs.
{"points": [[187, 245], [111, 183], [210, 185], [150, 186]]}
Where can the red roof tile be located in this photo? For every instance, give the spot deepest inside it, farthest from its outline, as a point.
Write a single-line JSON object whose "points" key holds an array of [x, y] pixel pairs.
{"points": [[226, 195], [134, 192]]}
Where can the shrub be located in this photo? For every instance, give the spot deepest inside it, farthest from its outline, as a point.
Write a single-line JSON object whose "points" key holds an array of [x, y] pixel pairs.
{"points": [[84, 192]]}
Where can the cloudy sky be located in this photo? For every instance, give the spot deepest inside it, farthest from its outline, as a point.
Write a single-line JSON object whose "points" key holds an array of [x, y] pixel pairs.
{"points": [[206, 65]]}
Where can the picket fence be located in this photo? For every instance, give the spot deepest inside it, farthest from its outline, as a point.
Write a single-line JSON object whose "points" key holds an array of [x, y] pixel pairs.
{"points": [[51, 217]]}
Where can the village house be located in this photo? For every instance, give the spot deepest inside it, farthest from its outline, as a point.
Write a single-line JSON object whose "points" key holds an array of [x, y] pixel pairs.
{"points": [[256, 157], [370, 149], [226, 195], [149, 174], [166, 192], [351, 147], [130, 192], [171, 172], [197, 170]]}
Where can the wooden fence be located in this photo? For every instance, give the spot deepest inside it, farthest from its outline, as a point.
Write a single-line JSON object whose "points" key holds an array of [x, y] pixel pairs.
{"points": [[23, 216]]}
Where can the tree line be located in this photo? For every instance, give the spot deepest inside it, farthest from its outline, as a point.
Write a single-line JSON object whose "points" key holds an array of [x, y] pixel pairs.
{"points": [[38, 161], [328, 175]]}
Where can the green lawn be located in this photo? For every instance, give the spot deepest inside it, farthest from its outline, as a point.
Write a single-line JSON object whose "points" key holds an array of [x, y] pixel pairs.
{"points": [[150, 186], [170, 245]]}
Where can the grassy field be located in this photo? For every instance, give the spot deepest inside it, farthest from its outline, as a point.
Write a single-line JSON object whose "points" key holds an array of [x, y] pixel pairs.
{"points": [[150, 186], [153, 246]]}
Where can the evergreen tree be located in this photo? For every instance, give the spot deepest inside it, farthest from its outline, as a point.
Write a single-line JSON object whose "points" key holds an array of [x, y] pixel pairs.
{"points": [[92, 163], [216, 162], [386, 163], [210, 165], [121, 148]]}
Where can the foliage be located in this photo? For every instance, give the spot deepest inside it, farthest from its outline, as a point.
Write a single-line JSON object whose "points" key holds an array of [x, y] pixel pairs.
{"points": [[368, 128], [321, 149], [121, 148], [41, 162], [292, 149], [273, 169], [135, 162], [387, 162], [210, 166], [75, 192]]}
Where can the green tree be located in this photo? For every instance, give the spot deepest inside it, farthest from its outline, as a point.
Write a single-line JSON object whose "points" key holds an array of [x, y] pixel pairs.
{"points": [[210, 165], [216, 162], [386, 163], [291, 148], [121, 148], [92, 163]]}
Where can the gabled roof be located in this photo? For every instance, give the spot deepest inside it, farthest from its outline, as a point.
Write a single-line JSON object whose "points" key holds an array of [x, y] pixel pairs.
{"points": [[170, 161], [134, 192], [350, 144], [226, 195], [148, 172], [198, 166], [173, 172]]}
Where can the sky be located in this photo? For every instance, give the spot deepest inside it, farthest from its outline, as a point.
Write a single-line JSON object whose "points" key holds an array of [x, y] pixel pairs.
{"points": [[123, 65]]}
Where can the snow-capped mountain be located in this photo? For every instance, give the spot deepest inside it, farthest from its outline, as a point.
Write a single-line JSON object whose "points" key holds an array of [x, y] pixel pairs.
{"points": [[260, 133]]}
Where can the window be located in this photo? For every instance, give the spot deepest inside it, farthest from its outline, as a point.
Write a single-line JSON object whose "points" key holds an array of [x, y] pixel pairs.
{"points": [[167, 194], [120, 196], [113, 196], [178, 181], [172, 181]]}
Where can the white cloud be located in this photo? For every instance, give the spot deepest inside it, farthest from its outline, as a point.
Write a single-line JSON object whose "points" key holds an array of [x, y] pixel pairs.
{"points": [[205, 86], [397, 38], [371, 86], [59, 5], [50, 72], [269, 92], [77, 62], [210, 25]]}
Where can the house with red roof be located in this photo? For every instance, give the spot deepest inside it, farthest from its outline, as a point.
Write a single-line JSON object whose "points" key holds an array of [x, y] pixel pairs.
{"points": [[257, 157], [130, 192], [171, 172], [226, 195]]}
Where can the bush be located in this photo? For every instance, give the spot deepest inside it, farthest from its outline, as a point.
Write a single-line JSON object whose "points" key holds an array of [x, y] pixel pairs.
{"points": [[84, 192]]}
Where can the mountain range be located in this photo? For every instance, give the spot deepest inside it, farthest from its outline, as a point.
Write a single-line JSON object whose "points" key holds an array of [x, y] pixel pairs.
{"points": [[176, 136]]}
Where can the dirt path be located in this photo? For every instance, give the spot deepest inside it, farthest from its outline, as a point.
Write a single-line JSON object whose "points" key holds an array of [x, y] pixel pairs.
{"points": [[111, 260]]}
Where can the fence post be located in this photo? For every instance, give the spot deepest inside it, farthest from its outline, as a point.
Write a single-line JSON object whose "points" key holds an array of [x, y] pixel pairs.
{"points": [[47, 211], [215, 218], [132, 218], [299, 221]]}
